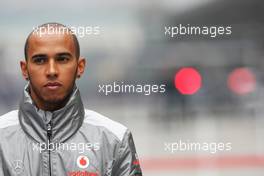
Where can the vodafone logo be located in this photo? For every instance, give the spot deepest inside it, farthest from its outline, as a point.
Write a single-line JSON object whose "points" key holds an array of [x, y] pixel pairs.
{"points": [[82, 162]]}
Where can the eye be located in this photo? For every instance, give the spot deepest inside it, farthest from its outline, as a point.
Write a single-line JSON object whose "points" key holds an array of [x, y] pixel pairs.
{"points": [[62, 58], [39, 60]]}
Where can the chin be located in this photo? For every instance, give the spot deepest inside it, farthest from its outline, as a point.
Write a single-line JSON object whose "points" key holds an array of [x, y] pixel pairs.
{"points": [[55, 99]]}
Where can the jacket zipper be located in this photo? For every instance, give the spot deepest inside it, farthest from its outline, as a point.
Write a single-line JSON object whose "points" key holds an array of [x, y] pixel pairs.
{"points": [[49, 134]]}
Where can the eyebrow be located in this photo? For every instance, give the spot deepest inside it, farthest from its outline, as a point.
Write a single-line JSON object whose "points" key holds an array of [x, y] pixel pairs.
{"points": [[64, 54], [44, 55], [38, 55]]}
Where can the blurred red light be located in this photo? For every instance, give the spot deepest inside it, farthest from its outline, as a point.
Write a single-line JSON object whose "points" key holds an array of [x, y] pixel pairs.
{"points": [[188, 81], [241, 81]]}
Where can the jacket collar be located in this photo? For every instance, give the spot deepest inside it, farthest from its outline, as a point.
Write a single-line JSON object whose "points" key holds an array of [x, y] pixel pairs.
{"points": [[65, 122]]}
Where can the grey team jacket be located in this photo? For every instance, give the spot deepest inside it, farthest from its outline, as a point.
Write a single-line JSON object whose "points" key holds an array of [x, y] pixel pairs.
{"points": [[71, 141]]}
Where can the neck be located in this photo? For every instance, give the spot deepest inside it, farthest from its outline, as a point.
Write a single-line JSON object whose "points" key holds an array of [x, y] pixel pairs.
{"points": [[65, 121]]}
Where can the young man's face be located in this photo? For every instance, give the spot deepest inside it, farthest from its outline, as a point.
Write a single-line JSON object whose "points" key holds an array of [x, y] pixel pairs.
{"points": [[51, 68]]}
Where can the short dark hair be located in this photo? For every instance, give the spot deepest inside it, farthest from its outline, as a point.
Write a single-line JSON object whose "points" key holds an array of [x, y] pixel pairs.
{"points": [[54, 24]]}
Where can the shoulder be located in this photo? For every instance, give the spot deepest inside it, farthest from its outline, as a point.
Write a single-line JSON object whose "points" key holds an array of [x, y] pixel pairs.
{"points": [[9, 119], [9, 127], [100, 121]]}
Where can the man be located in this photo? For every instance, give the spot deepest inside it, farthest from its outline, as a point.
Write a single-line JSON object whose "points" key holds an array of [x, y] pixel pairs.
{"points": [[51, 134]]}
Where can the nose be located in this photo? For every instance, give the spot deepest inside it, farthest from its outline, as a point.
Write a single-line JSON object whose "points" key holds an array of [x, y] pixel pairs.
{"points": [[52, 69]]}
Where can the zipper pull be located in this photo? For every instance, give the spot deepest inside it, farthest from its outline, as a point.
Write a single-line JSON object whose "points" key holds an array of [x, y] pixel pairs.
{"points": [[49, 130]]}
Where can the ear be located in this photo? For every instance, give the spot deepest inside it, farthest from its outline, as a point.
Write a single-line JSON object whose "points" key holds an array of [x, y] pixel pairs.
{"points": [[81, 66], [23, 66]]}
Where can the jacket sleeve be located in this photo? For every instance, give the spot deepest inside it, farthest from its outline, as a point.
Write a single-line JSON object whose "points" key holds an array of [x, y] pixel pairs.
{"points": [[127, 163], [3, 169]]}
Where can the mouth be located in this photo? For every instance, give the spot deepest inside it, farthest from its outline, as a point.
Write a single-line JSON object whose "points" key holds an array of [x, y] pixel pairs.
{"points": [[53, 85]]}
